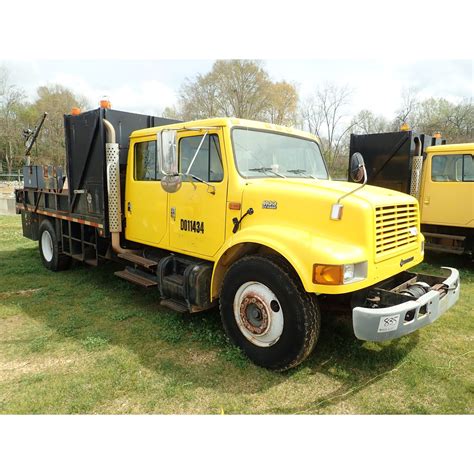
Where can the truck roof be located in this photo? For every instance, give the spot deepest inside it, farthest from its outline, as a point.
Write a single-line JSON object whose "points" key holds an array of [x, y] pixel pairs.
{"points": [[462, 147], [225, 122]]}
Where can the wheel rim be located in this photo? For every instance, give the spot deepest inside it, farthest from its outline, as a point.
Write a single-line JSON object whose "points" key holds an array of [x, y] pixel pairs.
{"points": [[258, 314], [47, 246]]}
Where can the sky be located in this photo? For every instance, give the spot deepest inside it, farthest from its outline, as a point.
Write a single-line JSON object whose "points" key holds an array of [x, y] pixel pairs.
{"points": [[148, 86]]}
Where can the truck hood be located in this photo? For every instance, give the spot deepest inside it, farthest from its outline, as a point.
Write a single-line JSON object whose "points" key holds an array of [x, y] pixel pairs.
{"points": [[328, 189], [304, 206]]}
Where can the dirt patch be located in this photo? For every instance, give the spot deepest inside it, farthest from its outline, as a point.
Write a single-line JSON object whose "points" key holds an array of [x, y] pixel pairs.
{"points": [[200, 358], [7, 294], [15, 369]]}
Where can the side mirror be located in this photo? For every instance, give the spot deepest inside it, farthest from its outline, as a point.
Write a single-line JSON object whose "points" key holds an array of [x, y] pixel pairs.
{"points": [[166, 149], [357, 171], [171, 184]]}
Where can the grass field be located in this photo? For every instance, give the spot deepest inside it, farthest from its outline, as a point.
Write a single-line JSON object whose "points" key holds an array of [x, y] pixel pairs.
{"points": [[83, 341]]}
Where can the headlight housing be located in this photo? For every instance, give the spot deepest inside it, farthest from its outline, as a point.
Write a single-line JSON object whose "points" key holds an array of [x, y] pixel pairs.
{"points": [[348, 272], [339, 274]]}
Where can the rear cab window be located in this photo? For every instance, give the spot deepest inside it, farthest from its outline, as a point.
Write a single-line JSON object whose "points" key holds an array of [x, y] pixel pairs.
{"points": [[145, 162]]}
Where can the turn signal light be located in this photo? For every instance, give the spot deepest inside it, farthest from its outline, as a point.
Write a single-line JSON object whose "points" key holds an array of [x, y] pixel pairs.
{"points": [[339, 274], [328, 274], [75, 111]]}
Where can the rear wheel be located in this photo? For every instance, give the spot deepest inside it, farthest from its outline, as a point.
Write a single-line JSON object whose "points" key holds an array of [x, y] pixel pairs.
{"points": [[267, 313], [51, 255]]}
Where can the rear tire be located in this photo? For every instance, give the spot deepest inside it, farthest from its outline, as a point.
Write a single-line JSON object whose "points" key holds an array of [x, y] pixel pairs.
{"points": [[267, 313], [52, 257]]}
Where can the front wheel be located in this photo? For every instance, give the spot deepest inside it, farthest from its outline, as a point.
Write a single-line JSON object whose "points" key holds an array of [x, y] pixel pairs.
{"points": [[51, 255], [267, 313]]}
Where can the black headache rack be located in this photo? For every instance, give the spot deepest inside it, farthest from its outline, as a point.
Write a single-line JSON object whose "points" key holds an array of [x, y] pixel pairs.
{"points": [[83, 194], [86, 160], [389, 156]]}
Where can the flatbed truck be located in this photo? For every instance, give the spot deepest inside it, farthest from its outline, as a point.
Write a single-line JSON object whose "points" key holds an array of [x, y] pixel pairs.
{"points": [[240, 214], [439, 175]]}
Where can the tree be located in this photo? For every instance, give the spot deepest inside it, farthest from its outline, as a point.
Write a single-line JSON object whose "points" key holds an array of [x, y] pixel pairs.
{"points": [[323, 114], [237, 88], [454, 121], [12, 103], [198, 99], [16, 114], [240, 88], [171, 113], [367, 122], [409, 108], [57, 101], [461, 121], [282, 103]]}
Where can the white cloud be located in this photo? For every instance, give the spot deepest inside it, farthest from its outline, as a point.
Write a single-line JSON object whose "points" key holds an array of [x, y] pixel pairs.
{"points": [[144, 96], [149, 96]]}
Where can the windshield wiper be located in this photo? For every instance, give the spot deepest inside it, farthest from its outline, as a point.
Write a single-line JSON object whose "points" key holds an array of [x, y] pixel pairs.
{"points": [[264, 169], [302, 173]]}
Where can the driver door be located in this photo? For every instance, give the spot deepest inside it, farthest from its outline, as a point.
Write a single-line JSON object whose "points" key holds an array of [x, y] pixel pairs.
{"points": [[198, 210]]}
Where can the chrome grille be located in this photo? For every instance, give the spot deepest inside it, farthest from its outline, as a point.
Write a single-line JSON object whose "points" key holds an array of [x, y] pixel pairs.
{"points": [[394, 228]]}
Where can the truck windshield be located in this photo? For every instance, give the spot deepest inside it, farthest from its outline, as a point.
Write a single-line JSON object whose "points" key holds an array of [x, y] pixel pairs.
{"points": [[260, 153]]}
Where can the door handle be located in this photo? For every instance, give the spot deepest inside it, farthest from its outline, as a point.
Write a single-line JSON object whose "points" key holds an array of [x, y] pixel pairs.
{"points": [[426, 200], [129, 207]]}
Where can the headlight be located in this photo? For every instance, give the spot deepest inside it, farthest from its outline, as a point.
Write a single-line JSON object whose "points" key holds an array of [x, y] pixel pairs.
{"points": [[348, 273], [339, 274]]}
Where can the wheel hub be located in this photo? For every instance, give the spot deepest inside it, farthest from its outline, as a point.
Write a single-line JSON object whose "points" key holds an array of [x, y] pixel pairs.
{"points": [[254, 314], [258, 314], [47, 246]]}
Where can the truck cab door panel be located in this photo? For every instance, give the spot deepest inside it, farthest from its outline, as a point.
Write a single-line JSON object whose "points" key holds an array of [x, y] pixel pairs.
{"points": [[448, 190], [197, 210], [145, 200]]}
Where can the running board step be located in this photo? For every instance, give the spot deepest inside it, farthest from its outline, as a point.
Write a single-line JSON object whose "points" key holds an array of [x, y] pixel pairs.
{"points": [[142, 261], [134, 278], [174, 305]]}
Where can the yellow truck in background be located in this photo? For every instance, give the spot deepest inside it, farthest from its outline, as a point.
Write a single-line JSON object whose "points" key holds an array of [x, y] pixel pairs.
{"points": [[439, 175], [239, 214]]}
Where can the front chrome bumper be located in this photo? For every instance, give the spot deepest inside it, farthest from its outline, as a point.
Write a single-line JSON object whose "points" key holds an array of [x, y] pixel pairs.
{"points": [[382, 324]]}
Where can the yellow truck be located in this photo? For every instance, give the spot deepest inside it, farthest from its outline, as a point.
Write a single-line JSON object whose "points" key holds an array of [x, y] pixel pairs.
{"points": [[240, 214], [439, 175]]}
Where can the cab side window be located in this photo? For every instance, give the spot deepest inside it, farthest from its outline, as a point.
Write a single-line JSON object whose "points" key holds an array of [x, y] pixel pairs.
{"points": [[468, 168], [145, 161], [452, 168], [208, 162]]}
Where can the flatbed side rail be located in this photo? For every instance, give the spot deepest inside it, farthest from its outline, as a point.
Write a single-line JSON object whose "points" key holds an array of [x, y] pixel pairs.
{"points": [[50, 204]]}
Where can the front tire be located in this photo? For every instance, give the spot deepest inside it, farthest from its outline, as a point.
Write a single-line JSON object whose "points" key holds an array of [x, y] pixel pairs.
{"points": [[267, 313], [52, 257]]}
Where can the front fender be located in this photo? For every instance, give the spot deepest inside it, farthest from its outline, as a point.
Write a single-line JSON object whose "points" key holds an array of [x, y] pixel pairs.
{"points": [[300, 248]]}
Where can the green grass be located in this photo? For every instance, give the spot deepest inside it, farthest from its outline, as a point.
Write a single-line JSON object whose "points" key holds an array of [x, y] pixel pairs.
{"points": [[83, 341]]}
